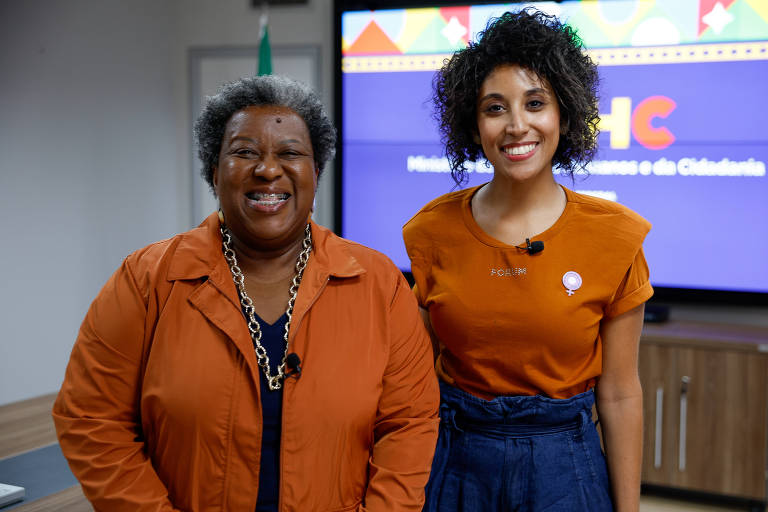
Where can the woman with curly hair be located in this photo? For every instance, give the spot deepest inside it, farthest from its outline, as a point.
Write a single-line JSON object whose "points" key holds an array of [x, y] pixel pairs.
{"points": [[257, 362], [533, 294]]}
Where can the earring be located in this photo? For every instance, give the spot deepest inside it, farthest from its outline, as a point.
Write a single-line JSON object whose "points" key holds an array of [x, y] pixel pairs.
{"points": [[221, 216]]}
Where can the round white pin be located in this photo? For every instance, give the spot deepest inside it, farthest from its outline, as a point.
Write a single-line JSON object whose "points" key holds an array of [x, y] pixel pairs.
{"points": [[571, 281]]}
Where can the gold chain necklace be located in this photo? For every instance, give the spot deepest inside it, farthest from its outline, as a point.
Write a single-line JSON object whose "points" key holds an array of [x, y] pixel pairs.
{"points": [[275, 382]]}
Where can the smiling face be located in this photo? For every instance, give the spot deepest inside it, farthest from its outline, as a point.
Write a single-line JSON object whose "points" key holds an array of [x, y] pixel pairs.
{"points": [[518, 123], [266, 177]]}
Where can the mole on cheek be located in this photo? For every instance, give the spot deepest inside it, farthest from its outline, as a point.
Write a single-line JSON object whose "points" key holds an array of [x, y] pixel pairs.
{"points": [[279, 120]]}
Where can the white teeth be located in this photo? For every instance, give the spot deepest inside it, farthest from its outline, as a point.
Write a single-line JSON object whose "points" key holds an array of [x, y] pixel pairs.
{"points": [[268, 199], [519, 150]]}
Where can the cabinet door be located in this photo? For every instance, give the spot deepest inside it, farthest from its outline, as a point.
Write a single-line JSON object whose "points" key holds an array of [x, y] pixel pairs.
{"points": [[659, 375], [713, 425], [725, 438]]}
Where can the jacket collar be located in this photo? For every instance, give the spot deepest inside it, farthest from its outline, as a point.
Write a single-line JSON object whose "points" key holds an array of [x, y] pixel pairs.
{"points": [[199, 254]]}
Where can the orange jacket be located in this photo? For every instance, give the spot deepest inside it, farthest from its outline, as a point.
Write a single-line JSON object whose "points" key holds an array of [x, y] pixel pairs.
{"points": [[160, 406]]}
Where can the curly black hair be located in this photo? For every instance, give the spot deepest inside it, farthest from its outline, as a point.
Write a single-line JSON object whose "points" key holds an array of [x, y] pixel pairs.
{"points": [[262, 90], [533, 40]]}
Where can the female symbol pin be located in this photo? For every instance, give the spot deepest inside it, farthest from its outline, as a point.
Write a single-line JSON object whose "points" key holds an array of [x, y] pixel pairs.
{"points": [[571, 281]]}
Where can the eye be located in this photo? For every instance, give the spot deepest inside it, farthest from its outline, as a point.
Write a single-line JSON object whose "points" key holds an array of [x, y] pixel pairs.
{"points": [[292, 153], [535, 104], [494, 108], [244, 152]]}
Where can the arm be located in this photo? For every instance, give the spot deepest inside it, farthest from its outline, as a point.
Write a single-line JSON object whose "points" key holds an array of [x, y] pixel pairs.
{"points": [[97, 410], [405, 432], [620, 406]]}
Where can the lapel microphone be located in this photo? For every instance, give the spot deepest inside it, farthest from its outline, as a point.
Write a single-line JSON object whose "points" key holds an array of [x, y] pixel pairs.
{"points": [[293, 363], [531, 247]]}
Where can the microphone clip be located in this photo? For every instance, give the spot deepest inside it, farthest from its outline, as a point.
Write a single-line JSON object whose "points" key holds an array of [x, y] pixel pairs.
{"points": [[531, 247], [293, 366]]}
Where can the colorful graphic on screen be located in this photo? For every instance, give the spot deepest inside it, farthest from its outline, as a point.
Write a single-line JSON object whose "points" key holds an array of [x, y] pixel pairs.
{"points": [[683, 142]]}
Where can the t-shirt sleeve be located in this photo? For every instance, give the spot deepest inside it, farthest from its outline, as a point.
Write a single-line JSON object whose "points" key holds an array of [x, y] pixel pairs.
{"points": [[634, 289], [418, 252], [419, 270]]}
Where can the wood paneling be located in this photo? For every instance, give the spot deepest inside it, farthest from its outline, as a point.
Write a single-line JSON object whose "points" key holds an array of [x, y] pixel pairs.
{"points": [[726, 427], [26, 425], [726, 424], [68, 500], [657, 372]]}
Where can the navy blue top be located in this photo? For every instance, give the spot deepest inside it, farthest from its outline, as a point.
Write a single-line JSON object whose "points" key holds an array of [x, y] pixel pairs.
{"points": [[272, 414]]}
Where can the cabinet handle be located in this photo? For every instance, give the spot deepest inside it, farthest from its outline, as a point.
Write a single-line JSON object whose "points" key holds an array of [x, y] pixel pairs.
{"points": [[659, 423], [683, 421]]}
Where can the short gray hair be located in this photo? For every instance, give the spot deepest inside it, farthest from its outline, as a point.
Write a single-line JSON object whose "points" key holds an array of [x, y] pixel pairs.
{"points": [[262, 90]]}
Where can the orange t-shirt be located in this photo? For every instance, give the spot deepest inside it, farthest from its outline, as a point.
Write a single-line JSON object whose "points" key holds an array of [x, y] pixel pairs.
{"points": [[506, 322]]}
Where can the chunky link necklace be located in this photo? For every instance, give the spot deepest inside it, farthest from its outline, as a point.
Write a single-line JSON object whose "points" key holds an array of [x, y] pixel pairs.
{"points": [[275, 382]]}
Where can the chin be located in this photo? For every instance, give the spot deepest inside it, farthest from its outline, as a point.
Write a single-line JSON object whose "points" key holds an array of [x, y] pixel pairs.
{"points": [[275, 235], [521, 176]]}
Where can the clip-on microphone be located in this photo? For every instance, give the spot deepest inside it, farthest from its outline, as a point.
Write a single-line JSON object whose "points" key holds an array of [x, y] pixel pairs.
{"points": [[293, 363], [531, 247]]}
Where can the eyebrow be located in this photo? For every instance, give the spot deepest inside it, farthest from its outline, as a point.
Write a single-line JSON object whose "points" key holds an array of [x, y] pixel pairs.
{"points": [[254, 141], [240, 137], [529, 92], [537, 90]]}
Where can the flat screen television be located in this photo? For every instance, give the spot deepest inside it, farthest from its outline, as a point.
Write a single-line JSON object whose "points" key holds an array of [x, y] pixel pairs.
{"points": [[684, 136]]}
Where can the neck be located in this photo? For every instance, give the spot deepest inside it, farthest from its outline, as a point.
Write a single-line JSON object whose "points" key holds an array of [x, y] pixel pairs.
{"points": [[503, 198], [267, 265], [511, 211]]}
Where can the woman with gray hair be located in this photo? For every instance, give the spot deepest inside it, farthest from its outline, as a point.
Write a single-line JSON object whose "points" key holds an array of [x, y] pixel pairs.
{"points": [[257, 362]]}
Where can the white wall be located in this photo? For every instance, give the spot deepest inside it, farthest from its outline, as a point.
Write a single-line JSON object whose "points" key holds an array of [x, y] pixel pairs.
{"points": [[94, 151]]}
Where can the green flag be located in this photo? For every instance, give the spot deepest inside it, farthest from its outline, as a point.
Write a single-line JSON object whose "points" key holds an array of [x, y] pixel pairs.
{"points": [[265, 52]]}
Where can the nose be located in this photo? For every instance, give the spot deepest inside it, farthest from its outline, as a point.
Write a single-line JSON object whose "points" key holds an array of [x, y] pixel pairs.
{"points": [[517, 124], [268, 168]]}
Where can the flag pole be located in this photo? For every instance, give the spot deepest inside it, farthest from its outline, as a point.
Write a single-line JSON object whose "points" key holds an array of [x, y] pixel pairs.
{"points": [[265, 51]]}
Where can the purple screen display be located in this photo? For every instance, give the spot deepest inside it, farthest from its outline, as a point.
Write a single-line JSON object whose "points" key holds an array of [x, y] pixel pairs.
{"points": [[684, 145]]}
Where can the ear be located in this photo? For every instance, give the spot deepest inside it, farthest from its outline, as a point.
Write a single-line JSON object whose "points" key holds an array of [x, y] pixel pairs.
{"points": [[316, 176], [476, 138], [215, 179]]}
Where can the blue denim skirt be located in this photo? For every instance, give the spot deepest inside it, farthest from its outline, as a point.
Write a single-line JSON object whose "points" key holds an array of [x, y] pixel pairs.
{"points": [[517, 453]]}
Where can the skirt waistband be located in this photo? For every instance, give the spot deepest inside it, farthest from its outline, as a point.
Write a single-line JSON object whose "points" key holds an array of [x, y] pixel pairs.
{"points": [[514, 416]]}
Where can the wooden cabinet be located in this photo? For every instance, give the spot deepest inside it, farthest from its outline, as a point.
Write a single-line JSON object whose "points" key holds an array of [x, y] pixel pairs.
{"points": [[705, 404]]}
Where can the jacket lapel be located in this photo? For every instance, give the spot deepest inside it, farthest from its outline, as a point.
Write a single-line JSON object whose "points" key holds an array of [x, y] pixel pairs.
{"points": [[329, 259], [199, 256]]}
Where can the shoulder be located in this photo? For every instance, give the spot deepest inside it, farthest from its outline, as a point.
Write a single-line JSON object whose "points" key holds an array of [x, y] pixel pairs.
{"points": [[436, 214], [369, 259], [151, 254], [346, 258], [187, 255], [367, 274], [140, 274], [608, 218]]}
